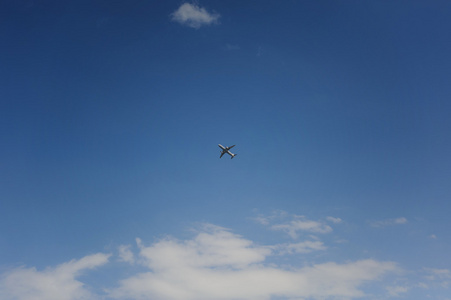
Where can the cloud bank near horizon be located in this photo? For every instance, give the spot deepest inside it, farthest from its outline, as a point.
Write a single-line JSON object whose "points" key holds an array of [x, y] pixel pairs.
{"points": [[217, 263]]}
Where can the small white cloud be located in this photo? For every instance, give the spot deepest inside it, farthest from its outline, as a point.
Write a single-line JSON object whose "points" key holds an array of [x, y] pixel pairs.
{"points": [[194, 16], [301, 248], [334, 220], [57, 283], [401, 220], [433, 236], [296, 225], [388, 222], [125, 254], [396, 291], [301, 223], [266, 220], [261, 220]]}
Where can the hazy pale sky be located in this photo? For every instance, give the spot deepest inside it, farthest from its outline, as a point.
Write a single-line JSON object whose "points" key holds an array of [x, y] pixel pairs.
{"points": [[111, 186]]}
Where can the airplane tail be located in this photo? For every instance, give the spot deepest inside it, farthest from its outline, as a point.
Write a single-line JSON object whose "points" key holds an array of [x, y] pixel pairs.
{"points": [[233, 156]]}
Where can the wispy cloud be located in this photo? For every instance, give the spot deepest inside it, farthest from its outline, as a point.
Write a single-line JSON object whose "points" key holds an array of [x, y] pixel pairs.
{"points": [[230, 47], [218, 264], [194, 16], [302, 224], [58, 283], [125, 254], [441, 277], [334, 220], [301, 247], [388, 222], [397, 291], [295, 224], [437, 274]]}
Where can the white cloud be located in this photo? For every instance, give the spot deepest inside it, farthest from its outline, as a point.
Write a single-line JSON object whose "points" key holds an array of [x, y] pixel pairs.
{"points": [[194, 16], [218, 264], [302, 247], [397, 291], [213, 247], [302, 224], [294, 226], [334, 220], [439, 272], [438, 277], [401, 220], [125, 254], [57, 283], [389, 222], [262, 220], [277, 221]]}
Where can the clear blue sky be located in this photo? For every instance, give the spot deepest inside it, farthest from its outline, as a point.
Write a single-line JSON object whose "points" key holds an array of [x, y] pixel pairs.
{"points": [[111, 186]]}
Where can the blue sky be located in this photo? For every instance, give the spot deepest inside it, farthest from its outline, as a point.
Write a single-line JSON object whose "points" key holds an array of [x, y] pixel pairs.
{"points": [[111, 184]]}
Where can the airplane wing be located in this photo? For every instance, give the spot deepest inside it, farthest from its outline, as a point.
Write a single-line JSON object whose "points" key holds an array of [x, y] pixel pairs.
{"points": [[222, 154], [228, 148]]}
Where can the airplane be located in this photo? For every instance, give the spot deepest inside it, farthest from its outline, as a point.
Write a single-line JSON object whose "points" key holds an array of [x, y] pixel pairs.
{"points": [[226, 150]]}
